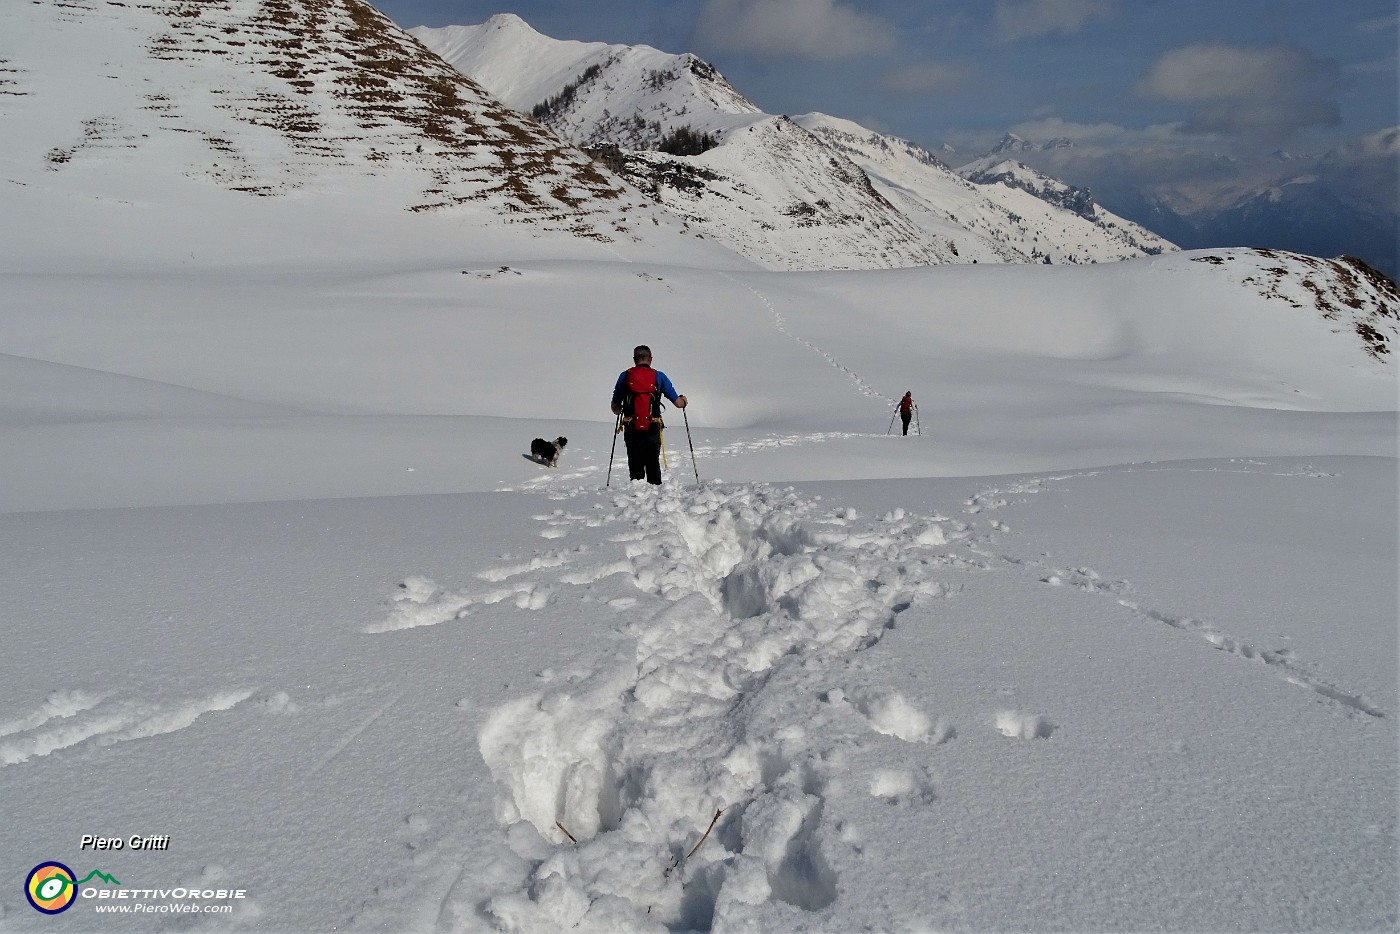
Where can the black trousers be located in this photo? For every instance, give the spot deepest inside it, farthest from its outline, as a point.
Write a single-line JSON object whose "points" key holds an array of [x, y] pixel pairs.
{"points": [[644, 453], [905, 417]]}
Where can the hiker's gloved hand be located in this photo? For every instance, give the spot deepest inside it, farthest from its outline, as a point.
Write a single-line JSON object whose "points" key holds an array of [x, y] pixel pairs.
{"points": [[617, 409], [680, 402]]}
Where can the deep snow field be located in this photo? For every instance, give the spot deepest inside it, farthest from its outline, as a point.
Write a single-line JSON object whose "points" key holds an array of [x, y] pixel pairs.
{"points": [[1109, 645]]}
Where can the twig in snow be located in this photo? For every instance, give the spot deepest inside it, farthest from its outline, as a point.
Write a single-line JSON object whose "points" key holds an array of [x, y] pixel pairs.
{"points": [[675, 862], [566, 833], [714, 820]]}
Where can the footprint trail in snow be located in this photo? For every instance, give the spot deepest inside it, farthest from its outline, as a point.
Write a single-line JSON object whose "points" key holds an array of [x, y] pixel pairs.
{"points": [[738, 701], [723, 703]]}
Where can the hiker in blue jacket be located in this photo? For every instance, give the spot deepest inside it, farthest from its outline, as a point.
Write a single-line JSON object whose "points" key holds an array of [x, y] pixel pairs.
{"points": [[637, 399]]}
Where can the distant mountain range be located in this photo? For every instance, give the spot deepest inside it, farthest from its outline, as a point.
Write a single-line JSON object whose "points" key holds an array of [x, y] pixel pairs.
{"points": [[815, 191], [808, 192], [1342, 202]]}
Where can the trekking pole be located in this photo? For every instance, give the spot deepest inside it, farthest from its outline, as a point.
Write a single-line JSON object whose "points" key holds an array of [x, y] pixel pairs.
{"points": [[617, 430], [692, 446], [892, 415], [918, 427]]}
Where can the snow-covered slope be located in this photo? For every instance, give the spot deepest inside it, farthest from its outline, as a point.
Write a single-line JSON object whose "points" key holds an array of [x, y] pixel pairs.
{"points": [[772, 193], [1350, 295], [397, 365], [199, 112], [1009, 210], [810, 193]]}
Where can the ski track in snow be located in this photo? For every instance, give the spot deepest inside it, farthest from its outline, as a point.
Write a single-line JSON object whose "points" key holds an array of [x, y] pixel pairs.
{"points": [[780, 322], [738, 697], [354, 733], [755, 446], [1282, 662]]}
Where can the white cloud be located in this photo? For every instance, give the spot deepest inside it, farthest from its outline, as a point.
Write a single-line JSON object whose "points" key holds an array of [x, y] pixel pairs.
{"points": [[1262, 93], [926, 78], [1028, 19], [1108, 134], [825, 30]]}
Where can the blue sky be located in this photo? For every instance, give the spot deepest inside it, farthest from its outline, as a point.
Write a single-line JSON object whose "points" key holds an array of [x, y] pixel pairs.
{"points": [[1234, 76]]}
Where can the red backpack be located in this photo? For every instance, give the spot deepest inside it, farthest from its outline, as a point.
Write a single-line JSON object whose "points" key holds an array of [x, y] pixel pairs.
{"points": [[643, 405]]}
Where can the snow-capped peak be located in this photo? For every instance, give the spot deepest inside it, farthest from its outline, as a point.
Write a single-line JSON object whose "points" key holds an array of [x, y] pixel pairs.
{"points": [[591, 92], [1009, 143], [1013, 143]]}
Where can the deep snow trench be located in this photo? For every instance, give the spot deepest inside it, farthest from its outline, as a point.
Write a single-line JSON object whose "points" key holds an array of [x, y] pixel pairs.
{"points": [[766, 593]]}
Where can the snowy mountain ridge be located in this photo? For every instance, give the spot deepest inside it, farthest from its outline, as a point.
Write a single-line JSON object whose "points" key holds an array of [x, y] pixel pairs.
{"points": [[1015, 174], [806, 193], [767, 189], [1021, 215]]}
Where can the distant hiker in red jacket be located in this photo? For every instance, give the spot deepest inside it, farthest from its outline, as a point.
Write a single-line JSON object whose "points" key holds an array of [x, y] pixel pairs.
{"points": [[906, 410], [637, 398]]}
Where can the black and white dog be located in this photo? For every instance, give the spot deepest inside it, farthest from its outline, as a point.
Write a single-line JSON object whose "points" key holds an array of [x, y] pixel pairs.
{"points": [[547, 452]]}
